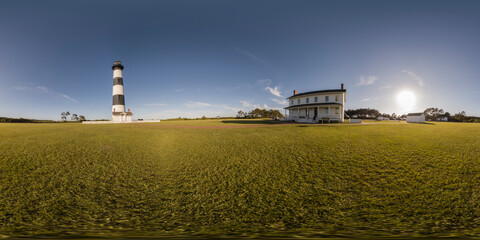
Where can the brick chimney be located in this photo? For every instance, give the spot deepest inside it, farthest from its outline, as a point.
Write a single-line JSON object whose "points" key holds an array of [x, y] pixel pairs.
{"points": [[294, 92], [341, 86]]}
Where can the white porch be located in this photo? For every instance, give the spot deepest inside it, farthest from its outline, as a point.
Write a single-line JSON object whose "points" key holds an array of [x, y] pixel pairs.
{"points": [[316, 114]]}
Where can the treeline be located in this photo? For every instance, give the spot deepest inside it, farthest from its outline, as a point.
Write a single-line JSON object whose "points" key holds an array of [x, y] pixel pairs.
{"points": [[370, 113], [431, 114], [23, 120], [435, 114], [260, 113], [457, 117], [364, 113]]}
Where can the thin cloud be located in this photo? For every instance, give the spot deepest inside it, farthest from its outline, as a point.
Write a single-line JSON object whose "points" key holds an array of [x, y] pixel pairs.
{"points": [[191, 104], [68, 97], [246, 104], [230, 108], [415, 77], [155, 104], [20, 88], [250, 55], [369, 99], [367, 80], [280, 101], [46, 90], [266, 81], [274, 91], [385, 87]]}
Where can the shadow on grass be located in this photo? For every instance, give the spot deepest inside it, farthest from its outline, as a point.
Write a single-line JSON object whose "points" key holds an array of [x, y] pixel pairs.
{"points": [[424, 123], [248, 122], [316, 125]]}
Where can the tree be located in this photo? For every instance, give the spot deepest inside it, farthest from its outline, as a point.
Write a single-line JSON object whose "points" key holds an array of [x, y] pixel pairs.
{"points": [[74, 117], [256, 113], [261, 113], [241, 114], [363, 113], [64, 116], [275, 114], [433, 113], [81, 118], [460, 116]]}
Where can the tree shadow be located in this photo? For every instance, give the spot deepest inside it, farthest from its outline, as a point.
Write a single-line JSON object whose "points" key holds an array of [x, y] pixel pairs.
{"points": [[249, 122]]}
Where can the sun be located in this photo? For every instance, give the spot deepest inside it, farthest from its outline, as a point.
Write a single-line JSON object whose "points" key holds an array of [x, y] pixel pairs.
{"points": [[406, 99]]}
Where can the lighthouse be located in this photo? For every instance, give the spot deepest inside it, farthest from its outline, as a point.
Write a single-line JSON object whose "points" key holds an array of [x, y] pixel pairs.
{"points": [[118, 107]]}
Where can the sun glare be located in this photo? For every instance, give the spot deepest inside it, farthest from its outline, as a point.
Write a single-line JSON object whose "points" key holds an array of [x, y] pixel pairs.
{"points": [[406, 100]]}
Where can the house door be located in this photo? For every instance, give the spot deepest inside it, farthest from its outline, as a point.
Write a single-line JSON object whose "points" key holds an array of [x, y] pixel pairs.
{"points": [[315, 112]]}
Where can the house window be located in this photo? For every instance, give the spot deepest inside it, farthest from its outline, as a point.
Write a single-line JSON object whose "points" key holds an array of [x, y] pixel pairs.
{"points": [[291, 102], [336, 98], [298, 101], [308, 99], [326, 98], [326, 110], [336, 110], [316, 99]]}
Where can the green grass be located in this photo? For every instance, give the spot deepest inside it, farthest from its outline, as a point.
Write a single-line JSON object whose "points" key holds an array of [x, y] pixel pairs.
{"points": [[149, 179]]}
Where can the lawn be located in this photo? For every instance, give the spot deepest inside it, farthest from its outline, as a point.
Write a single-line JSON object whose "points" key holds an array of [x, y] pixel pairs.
{"points": [[158, 179]]}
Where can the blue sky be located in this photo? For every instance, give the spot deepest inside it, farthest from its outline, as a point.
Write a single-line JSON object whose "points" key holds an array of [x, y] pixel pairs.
{"points": [[195, 58]]}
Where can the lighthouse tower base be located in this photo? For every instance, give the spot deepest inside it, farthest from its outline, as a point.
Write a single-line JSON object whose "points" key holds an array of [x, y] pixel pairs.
{"points": [[122, 117]]}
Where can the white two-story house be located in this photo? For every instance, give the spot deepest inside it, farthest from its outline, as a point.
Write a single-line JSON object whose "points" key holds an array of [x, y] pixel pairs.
{"points": [[317, 106]]}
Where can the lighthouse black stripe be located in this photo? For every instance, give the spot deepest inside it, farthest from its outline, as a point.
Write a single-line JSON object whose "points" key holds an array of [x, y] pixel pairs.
{"points": [[118, 100], [117, 81]]}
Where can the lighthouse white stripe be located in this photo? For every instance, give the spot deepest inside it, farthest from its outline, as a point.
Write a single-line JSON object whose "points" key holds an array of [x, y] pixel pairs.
{"points": [[117, 73], [117, 90], [118, 108]]}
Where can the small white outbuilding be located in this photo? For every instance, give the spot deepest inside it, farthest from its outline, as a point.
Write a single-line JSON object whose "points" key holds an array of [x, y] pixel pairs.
{"points": [[416, 118]]}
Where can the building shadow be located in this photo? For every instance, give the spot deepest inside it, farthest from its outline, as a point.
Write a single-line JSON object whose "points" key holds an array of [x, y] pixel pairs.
{"points": [[424, 123]]}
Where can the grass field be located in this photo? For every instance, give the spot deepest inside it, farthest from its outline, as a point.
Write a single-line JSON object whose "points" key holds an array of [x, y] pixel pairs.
{"points": [[156, 179]]}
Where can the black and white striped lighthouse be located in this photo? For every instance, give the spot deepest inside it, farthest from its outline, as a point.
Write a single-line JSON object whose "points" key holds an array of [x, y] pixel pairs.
{"points": [[118, 106], [118, 98]]}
